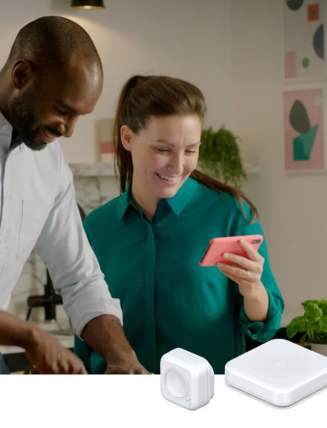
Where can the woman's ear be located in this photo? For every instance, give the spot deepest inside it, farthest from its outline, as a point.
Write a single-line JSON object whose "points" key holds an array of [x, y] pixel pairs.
{"points": [[126, 135]]}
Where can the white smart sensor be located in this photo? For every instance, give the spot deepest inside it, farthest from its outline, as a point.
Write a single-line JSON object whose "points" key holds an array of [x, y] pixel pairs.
{"points": [[278, 371], [186, 379]]}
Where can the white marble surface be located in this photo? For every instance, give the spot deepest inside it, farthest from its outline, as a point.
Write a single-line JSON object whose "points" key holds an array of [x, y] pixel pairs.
{"points": [[92, 169]]}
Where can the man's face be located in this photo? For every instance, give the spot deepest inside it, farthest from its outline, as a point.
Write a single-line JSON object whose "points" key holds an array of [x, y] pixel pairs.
{"points": [[49, 106]]}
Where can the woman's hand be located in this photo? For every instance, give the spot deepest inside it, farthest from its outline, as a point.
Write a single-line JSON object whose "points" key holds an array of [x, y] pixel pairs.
{"points": [[245, 272]]}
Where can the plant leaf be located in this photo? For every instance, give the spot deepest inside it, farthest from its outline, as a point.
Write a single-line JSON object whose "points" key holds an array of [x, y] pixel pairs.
{"points": [[323, 306], [323, 324], [308, 302], [313, 311], [303, 339], [293, 326]]}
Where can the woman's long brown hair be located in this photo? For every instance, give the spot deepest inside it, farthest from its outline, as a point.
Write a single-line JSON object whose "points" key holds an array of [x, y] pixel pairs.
{"points": [[146, 96]]}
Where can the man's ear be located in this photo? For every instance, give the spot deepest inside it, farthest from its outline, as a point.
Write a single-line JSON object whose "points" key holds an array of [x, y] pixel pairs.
{"points": [[22, 74], [126, 135]]}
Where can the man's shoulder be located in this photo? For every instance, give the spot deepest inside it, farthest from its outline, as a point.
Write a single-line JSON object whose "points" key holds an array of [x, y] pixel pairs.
{"points": [[49, 159], [50, 151], [45, 170]]}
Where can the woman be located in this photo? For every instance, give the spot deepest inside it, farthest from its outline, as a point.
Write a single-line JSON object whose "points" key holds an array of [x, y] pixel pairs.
{"points": [[150, 239]]}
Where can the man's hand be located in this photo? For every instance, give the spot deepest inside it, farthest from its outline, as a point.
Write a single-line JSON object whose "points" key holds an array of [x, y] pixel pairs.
{"points": [[106, 336], [127, 364], [48, 356]]}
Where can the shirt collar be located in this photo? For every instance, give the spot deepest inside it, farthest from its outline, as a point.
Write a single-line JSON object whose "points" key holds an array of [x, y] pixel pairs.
{"points": [[124, 201], [177, 203], [5, 132], [7, 142]]}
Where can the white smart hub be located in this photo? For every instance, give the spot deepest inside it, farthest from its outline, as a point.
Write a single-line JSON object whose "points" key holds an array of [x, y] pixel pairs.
{"points": [[186, 379], [279, 372]]}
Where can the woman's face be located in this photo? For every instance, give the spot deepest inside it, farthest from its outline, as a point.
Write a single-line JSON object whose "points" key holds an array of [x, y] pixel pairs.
{"points": [[164, 154]]}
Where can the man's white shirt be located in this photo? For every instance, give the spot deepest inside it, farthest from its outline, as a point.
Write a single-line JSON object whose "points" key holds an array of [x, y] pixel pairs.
{"points": [[38, 211]]}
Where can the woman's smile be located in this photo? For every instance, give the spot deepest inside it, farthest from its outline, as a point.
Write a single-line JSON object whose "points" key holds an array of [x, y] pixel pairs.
{"points": [[168, 179]]}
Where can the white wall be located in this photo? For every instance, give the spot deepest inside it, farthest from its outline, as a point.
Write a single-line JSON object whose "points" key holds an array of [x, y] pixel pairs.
{"points": [[293, 207], [182, 38]]}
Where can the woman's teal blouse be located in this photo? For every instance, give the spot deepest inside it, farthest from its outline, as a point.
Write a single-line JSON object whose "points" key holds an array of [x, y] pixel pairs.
{"points": [[167, 299]]}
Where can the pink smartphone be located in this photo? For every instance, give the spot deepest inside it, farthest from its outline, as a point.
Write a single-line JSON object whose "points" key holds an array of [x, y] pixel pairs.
{"points": [[218, 246]]}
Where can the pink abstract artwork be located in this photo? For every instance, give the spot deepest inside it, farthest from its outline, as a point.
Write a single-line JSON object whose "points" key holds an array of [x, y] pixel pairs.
{"points": [[304, 148]]}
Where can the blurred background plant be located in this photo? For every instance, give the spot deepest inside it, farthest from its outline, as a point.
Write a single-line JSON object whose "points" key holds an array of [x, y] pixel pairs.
{"points": [[220, 156], [313, 324]]}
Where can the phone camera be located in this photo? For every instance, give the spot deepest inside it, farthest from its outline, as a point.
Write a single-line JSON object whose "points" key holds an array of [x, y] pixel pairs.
{"points": [[256, 241]]}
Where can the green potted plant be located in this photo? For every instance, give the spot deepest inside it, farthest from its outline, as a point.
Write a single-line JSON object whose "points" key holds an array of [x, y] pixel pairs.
{"points": [[220, 156], [313, 325]]}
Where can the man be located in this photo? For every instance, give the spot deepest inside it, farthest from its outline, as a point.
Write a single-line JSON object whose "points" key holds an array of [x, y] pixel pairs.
{"points": [[52, 76]]}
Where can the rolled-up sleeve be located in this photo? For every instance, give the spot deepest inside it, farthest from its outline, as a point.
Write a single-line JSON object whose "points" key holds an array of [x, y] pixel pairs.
{"points": [[263, 331], [73, 267], [257, 330]]}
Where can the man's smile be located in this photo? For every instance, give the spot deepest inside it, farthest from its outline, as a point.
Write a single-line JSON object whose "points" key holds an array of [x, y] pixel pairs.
{"points": [[47, 136]]}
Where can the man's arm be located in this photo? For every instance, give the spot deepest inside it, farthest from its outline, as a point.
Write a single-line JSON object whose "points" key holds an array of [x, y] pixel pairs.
{"points": [[43, 351], [93, 313], [106, 336]]}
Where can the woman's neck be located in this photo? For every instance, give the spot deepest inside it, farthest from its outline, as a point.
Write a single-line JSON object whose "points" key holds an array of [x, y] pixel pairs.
{"points": [[145, 203]]}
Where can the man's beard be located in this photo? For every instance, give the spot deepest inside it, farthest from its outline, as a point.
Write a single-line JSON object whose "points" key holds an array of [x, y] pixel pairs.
{"points": [[23, 117]]}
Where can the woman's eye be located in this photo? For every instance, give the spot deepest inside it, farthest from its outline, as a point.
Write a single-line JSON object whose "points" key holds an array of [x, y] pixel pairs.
{"points": [[163, 150], [190, 151]]}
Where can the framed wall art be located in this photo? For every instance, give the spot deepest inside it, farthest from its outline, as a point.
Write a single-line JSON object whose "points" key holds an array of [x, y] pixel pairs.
{"points": [[304, 40], [303, 129]]}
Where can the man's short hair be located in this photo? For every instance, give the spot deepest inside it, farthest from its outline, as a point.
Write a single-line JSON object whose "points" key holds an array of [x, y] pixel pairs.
{"points": [[53, 40]]}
